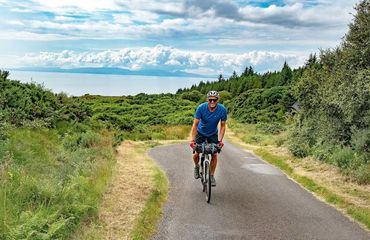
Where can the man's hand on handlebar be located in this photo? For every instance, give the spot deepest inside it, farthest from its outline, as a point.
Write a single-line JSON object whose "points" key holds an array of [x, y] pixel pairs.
{"points": [[192, 144], [220, 144]]}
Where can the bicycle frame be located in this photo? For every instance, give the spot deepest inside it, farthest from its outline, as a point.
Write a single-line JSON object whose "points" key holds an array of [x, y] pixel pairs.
{"points": [[205, 163]]}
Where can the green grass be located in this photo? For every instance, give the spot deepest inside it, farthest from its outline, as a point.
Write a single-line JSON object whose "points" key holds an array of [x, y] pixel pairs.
{"points": [[261, 135], [158, 132], [146, 224], [50, 182]]}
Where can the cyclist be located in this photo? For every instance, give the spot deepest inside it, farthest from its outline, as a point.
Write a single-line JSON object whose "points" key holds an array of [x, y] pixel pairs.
{"points": [[207, 117]]}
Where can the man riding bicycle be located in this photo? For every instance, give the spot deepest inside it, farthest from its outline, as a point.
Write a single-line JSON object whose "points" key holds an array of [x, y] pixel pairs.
{"points": [[207, 117]]}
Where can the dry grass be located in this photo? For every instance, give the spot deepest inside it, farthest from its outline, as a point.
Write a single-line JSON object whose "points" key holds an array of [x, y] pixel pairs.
{"points": [[126, 196]]}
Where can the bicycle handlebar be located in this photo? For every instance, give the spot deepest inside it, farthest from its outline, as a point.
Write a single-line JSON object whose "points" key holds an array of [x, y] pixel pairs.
{"points": [[208, 148]]}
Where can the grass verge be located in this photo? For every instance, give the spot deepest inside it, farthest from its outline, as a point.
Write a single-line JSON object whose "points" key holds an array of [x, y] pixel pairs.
{"points": [[132, 204], [51, 182], [321, 179], [146, 224]]}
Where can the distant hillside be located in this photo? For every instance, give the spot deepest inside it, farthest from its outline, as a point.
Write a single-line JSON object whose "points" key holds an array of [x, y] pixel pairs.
{"points": [[113, 71]]}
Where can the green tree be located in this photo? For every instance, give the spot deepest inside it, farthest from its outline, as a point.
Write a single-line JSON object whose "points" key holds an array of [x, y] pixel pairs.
{"points": [[356, 43], [194, 96], [334, 95], [286, 74]]}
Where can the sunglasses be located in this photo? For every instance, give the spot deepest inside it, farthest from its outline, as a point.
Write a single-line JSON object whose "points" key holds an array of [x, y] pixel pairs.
{"points": [[212, 100]]}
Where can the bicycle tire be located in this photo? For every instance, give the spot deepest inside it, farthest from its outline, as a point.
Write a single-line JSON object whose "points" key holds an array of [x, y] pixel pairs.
{"points": [[202, 174], [208, 181]]}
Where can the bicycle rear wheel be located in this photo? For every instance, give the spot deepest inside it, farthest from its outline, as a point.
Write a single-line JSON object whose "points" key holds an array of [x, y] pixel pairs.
{"points": [[208, 184]]}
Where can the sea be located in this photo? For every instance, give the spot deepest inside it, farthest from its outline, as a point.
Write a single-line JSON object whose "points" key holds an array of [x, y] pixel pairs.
{"points": [[78, 84]]}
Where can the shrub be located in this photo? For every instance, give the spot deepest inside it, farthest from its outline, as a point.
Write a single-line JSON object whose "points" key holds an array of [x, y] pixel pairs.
{"points": [[271, 128], [279, 141], [194, 96], [361, 142], [89, 139], [342, 157], [298, 149], [252, 139], [322, 151], [362, 174]]}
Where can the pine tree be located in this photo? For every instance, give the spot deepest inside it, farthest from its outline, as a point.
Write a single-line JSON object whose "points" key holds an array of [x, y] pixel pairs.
{"points": [[221, 78], [286, 74], [251, 71], [246, 71], [312, 59], [4, 74], [234, 75]]}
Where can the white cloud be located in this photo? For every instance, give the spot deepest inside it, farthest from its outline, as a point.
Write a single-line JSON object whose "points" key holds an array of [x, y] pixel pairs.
{"points": [[15, 22], [191, 18], [294, 29], [76, 5], [64, 18], [24, 35], [136, 16], [121, 28], [294, 14], [165, 58]]}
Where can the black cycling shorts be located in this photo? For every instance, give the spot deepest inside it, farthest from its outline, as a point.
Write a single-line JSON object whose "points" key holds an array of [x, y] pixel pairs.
{"points": [[199, 138]]}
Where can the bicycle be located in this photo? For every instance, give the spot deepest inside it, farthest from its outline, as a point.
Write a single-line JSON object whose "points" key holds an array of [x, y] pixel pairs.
{"points": [[205, 149]]}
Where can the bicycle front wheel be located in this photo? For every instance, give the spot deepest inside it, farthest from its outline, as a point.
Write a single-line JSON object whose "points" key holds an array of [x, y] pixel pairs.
{"points": [[208, 183]]}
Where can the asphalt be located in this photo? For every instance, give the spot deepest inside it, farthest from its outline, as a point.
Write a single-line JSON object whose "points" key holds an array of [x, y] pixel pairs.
{"points": [[252, 200]]}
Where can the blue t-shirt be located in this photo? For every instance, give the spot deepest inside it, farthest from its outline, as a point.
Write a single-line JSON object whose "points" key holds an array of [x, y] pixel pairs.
{"points": [[209, 120]]}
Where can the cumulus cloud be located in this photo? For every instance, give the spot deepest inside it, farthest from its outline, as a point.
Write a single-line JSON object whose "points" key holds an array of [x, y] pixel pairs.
{"points": [[165, 58], [299, 15], [210, 25], [140, 19], [292, 14]]}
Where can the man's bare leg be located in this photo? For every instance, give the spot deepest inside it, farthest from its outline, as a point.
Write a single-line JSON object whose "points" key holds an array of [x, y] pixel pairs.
{"points": [[213, 164], [196, 158]]}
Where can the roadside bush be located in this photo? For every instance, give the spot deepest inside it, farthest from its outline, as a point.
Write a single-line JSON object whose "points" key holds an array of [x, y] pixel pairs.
{"points": [[279, 141], [361, 143], [362, 174], [271, 128], [342, 157], [298, 149], [252, 139], [322, 151], [301, 140], [89, 139]]}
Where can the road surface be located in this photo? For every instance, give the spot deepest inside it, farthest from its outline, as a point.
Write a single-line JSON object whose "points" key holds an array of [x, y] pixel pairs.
{"points": [[252, 200]]}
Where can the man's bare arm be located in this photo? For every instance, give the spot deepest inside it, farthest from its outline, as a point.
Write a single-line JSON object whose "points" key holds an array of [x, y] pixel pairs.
{"points": [[194, 129], [222, 131]]}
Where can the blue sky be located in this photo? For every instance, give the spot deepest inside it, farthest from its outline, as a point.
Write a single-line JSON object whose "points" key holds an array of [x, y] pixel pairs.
{"points": [[205, 36]]}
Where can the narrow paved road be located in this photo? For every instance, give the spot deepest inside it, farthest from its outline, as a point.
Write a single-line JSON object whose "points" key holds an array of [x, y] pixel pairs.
{"points": [[252, 200]]}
